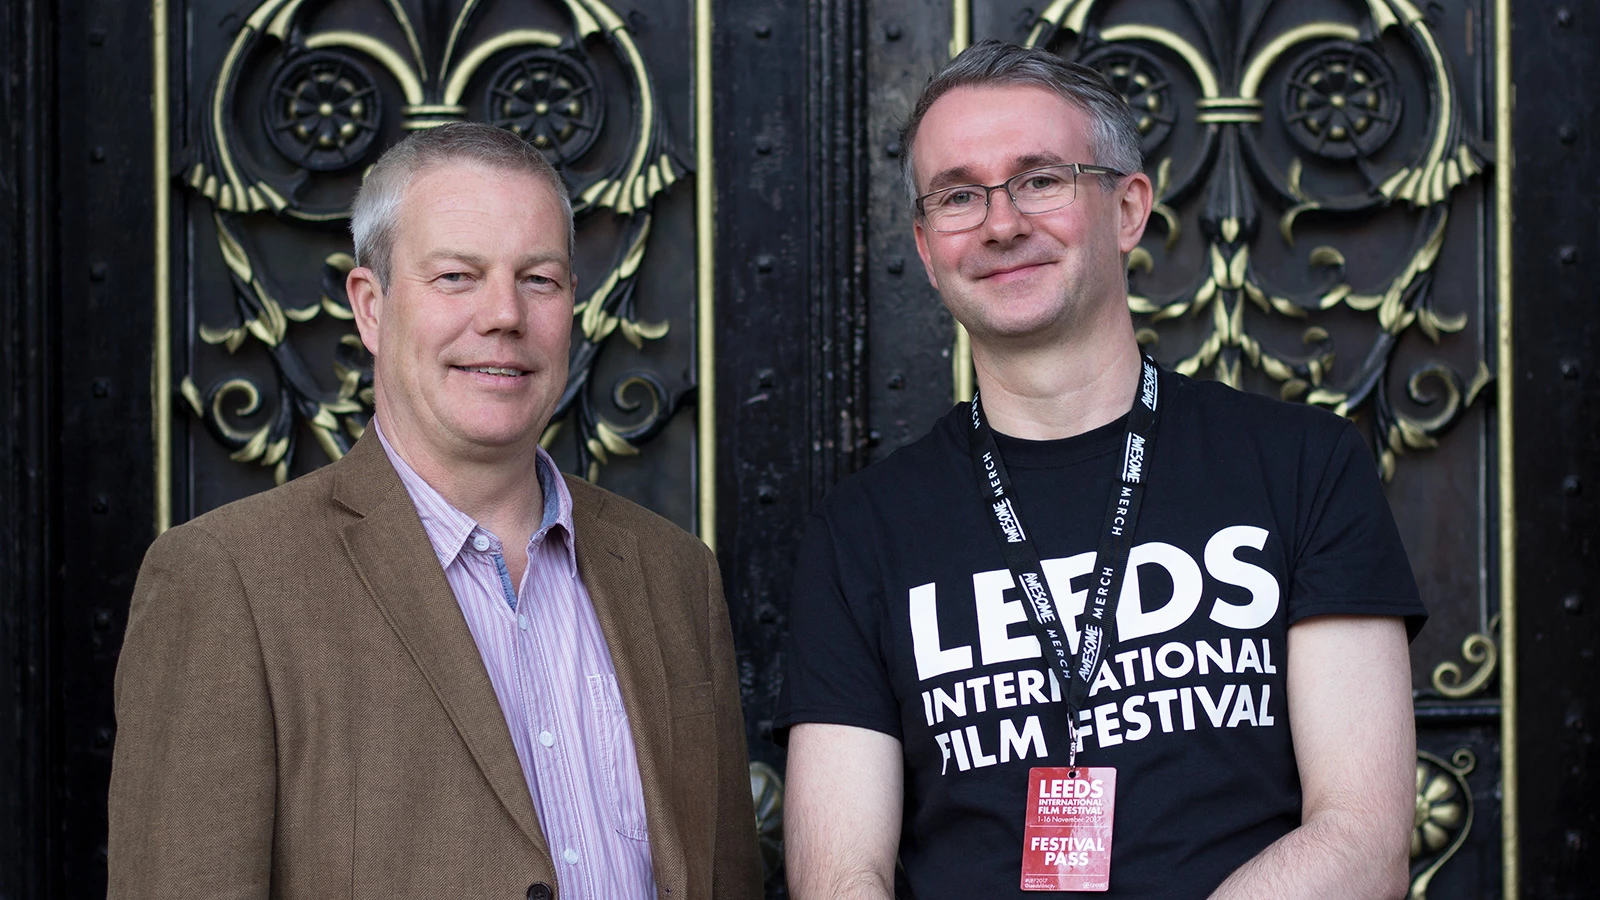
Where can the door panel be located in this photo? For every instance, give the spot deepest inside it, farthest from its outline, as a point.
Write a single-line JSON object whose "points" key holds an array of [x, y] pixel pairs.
{"points": [[1325, 232], [283, 106], [774, 331]]}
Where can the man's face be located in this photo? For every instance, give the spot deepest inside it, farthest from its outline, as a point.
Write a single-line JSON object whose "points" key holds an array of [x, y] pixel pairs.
{"points": [[1018, 276], [471, 335]]}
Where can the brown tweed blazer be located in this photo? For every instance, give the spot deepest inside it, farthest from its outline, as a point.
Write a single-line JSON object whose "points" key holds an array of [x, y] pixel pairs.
{"points": [[302, 712]]}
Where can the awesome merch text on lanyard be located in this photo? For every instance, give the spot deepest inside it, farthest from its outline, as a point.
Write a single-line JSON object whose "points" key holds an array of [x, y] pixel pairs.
{"points": [[1067, 833]]}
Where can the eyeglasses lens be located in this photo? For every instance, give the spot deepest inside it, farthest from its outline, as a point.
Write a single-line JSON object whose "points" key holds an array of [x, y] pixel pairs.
{"points": [[967, 206]]}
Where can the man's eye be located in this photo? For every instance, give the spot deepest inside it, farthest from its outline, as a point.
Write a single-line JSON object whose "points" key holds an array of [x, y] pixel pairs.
{"points": [[453, 277], [540, 280], [1042, 182], [960, 197]]}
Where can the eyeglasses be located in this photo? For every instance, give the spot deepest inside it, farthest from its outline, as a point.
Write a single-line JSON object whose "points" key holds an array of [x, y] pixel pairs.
{"points": [[1045, 189]]}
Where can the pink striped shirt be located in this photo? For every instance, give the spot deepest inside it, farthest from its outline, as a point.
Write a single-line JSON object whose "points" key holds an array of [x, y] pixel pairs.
{"points": [[552, 673]]}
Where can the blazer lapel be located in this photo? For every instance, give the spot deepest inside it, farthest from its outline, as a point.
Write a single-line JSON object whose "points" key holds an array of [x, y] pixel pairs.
{"points": [[396, 562], [608, 561]]}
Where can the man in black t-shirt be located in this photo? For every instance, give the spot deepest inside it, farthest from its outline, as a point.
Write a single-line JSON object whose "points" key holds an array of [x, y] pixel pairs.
{"points": [[1253, 696]]}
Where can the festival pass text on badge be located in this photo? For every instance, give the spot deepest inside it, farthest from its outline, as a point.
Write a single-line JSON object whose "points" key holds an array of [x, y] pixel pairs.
{"points": [[1067, 832]]}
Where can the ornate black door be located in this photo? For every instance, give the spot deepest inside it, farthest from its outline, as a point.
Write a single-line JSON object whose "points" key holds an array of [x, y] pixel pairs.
{"points": [[284, 106], [1335, 226], [1353, 214]]}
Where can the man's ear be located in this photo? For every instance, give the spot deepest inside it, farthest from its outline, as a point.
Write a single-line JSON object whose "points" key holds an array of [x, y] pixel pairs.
{"points": [[922, 251], [1134, 206], [366, 301]]}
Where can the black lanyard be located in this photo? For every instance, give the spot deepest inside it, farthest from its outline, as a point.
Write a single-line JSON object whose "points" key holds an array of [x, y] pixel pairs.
{"points": [[1098, 629]]}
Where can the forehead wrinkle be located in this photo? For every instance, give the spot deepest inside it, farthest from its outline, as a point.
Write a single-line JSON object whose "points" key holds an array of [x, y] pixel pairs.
{"points": [[960, 175], [478, 260], [444, 253]]}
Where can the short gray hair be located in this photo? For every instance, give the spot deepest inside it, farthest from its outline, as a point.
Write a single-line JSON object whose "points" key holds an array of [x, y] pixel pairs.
{"points": [[1113, 136], [375, 215]]}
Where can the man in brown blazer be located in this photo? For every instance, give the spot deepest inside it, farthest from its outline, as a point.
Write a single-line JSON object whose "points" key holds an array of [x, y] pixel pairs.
{"points": [[321, 696]]}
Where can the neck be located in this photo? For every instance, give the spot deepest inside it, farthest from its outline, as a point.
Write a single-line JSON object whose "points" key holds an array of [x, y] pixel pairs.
{"points": [[1043, 393], [501, 494]]}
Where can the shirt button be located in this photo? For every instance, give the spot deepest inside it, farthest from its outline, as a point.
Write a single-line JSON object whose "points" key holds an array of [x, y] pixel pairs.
{"points": [[522, 622], [549, 740], [570, 855], [480, 543]]}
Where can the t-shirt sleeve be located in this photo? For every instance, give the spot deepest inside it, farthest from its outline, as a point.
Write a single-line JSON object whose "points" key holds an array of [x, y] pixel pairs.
{"points": [[834, 669], [1350, 558]]}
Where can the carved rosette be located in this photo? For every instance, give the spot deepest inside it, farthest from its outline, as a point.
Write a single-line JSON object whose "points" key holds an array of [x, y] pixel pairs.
{"points": [[323, 114], [1335, 91]]}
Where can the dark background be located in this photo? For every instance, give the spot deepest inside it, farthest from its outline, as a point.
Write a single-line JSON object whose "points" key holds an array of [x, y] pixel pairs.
{"points": [[823, 313]]}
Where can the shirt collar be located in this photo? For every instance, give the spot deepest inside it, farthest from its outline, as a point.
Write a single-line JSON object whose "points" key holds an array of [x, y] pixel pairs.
{"points": [[448, 528]]}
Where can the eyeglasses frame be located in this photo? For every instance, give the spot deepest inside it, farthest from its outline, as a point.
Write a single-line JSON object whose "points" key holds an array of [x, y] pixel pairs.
{"points": [[989, 189]]}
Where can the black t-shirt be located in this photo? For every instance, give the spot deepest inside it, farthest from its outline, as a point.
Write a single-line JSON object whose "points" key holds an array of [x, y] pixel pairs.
{"points": [[1257, 514]]}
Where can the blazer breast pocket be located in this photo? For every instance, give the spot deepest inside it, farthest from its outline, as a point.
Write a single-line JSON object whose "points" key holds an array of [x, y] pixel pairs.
{"points": [[690, 699], [624, 793]]}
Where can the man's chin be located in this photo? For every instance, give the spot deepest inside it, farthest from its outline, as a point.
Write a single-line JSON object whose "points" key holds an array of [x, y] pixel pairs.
{"points": [[1016, 326], [487, 442]]}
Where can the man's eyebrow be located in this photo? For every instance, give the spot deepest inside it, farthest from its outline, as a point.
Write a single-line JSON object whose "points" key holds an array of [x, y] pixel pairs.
{"points": [[1036, 160], [951, 176]]}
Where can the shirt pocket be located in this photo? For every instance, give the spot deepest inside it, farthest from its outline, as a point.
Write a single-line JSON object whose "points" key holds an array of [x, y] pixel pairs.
{"points": [[624, 793]]}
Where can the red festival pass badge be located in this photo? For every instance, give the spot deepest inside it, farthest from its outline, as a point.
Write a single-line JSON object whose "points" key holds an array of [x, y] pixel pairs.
{"points": [[1067, 834]]}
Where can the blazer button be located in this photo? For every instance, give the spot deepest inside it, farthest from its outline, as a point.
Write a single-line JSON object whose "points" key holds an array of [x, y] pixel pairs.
{"points": [[540, 891]]}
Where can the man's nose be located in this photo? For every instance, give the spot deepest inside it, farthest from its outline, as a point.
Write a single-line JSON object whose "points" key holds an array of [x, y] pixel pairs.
{"points": [[500, 306], [1005, 223]]}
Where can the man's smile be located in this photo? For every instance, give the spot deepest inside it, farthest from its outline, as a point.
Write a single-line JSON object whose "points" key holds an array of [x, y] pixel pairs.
{"points": [[494, 374], [1011, 272]]}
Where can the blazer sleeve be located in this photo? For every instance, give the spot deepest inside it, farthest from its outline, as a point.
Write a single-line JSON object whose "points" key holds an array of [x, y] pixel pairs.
{"points": [[193, 775], [737, 874]]}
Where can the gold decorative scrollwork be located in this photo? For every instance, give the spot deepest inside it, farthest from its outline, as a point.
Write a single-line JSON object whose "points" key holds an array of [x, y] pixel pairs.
{"points": [[321, 112], [1479, 649], [1339, 104], [1443, 815], [766, 789]]}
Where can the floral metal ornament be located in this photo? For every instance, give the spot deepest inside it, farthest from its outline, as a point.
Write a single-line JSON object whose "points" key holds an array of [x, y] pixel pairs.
{"points": [[322, 113], [1339, 99], [1477, 648], [1443, 815], [324, 110]]}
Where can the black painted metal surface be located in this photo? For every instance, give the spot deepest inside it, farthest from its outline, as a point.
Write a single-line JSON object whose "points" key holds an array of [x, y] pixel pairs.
{"points": [[1556, 266], [77, 461], [909, 384], [104, 263], [833, 350], [28, 507], [791, 313]]}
